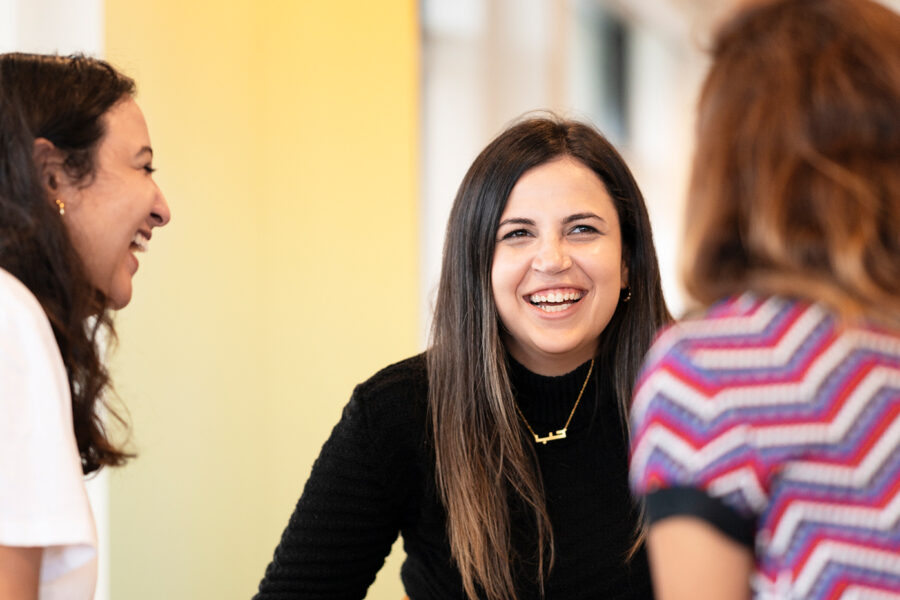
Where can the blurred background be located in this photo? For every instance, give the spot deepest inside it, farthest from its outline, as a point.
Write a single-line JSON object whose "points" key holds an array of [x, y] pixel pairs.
{"points": [[310, 152]]}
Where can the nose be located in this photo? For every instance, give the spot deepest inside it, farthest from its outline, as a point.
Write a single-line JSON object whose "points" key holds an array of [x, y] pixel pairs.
{"points": [[159, 212], [552, 256]]}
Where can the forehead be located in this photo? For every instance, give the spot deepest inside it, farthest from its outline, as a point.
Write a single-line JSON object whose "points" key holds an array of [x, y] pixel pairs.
{"points": [[126, 130], [561, 185]]}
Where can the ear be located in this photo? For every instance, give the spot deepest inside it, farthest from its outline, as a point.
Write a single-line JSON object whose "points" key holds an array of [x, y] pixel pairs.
{"points": [[49, 162], [624, 275]]}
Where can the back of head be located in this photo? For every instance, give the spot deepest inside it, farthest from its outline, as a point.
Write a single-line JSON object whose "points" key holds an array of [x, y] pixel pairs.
{"points": [[796, 181], [62, 100]]}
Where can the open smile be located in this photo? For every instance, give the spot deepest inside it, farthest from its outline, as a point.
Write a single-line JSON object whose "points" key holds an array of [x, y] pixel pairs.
{"points": [[139, 241], [555, 300]]}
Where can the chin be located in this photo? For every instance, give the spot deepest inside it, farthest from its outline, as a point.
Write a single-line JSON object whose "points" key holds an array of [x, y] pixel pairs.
{"points": [[119, 299], [555, 348], [573, 350]]}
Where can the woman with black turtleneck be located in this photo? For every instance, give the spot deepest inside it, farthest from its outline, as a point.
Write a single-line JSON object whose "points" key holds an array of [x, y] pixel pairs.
{"points": [[500, 454]]}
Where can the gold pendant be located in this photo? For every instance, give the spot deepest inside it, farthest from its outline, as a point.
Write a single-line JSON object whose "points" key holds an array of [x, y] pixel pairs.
{"points": [[560, 434]]}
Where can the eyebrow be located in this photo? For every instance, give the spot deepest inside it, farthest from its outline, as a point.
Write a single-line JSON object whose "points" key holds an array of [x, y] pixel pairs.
{"points": [[566, 221], [581, 216], [516, 221]]}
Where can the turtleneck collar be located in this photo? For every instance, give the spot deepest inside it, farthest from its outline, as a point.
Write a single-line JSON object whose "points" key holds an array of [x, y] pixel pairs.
{"points": [[547, 401]]}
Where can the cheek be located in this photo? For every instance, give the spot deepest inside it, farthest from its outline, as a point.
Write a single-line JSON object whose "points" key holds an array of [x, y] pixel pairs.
{"points": [[505, 276], [85, 243], [605, 264], [503, 286], [101, 241]]}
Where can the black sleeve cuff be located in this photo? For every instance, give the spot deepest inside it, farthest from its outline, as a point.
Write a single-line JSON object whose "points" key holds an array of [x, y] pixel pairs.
{"points": [[691, 502]]}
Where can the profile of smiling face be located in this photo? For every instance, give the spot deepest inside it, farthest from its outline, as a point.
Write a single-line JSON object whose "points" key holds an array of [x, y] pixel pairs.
{"points": [[557, 271], [111, 215]]}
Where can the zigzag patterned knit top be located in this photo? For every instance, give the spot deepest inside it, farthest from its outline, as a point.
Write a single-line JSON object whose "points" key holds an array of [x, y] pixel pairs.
{"points": [[772, 422]]}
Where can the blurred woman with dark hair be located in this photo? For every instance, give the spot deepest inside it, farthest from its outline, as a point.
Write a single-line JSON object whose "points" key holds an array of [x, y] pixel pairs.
{"points": [[500, 454], [77, 201], [767, 427]]}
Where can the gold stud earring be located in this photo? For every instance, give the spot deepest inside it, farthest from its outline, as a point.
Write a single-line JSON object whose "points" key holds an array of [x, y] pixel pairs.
{"points": [[61, 205], [628, 295]]}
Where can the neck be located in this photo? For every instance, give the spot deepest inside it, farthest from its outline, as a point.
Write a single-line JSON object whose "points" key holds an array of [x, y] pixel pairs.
{"points": [[550, 364]]}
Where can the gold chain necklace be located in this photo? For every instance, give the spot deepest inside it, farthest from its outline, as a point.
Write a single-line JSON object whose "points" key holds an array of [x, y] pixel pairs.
{"points": [[559, 433]]}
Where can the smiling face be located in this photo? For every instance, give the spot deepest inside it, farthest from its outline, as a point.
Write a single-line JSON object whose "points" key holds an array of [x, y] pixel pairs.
{"points": [[112, 218], [558, 271]]}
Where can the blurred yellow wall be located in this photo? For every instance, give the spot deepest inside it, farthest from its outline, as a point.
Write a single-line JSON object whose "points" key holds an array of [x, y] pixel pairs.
{"points": [[286, 137]]}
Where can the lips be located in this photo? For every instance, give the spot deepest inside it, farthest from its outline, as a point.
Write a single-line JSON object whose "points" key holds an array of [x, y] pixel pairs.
{"points": [[551, 300]]}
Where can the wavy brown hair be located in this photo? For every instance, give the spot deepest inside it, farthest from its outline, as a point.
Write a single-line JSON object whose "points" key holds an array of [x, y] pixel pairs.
{"points": [[484, 463], [63, 100], [796, 181]]}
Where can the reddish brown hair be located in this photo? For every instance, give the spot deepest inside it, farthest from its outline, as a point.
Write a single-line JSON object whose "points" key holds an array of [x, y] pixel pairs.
{"points": [[796, 181]]}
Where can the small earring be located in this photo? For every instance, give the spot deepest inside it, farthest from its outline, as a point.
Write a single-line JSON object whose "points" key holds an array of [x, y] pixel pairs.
{"points": [[628, 295], [61, 205]]}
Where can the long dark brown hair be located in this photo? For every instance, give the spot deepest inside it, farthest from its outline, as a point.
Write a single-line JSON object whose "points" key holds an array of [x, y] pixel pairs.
{"points": [[63, 100], [796, 180], [483, 461]]}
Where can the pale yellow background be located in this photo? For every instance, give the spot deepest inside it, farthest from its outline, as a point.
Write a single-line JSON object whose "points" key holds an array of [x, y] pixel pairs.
{"points": [[286, 137]]}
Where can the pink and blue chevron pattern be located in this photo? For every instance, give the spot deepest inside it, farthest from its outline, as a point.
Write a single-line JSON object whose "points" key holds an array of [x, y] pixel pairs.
{"points": [[790, 420]]}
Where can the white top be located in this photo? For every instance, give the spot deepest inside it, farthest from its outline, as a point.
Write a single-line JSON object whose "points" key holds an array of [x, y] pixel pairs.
{"points": [[43, 501]]}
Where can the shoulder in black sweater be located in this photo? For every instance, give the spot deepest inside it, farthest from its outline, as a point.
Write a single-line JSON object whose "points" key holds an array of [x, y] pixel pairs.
{"points": [[375, 478]]}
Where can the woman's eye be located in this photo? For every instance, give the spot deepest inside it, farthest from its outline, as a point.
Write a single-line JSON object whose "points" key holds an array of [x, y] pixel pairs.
{"points": [[515, 233], [584, 229], [149, 169]]}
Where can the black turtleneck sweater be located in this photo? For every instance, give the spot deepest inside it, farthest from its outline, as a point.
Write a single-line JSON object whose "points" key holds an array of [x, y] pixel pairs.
{"points": [[375, 478]]}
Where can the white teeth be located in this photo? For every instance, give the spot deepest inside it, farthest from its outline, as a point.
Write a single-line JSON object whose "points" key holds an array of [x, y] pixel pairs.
{"points": [[140, 241], [555, 308], [555, 297]]}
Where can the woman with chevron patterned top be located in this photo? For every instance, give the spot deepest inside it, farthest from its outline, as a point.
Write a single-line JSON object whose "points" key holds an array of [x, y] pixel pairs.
{"points": [[766, 428]]}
